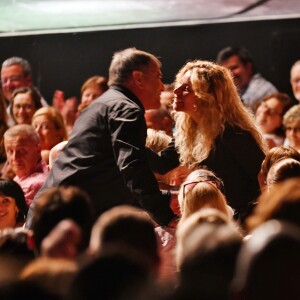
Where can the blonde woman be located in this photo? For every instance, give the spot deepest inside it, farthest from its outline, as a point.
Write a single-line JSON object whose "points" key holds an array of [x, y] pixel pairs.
{"points": [[49, 124], [213, 128]]}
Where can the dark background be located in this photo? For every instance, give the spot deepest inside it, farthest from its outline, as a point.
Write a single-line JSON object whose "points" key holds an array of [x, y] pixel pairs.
{"points": [[65, 60]]}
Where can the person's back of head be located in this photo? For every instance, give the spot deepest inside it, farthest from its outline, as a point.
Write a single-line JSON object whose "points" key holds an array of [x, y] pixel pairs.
{"points": [[126, 226], [282, 202], [157, 140], [268, 265], [115, 275], [207, 257], [202, 188], [282, 170], [52, 274], [57, 204]]}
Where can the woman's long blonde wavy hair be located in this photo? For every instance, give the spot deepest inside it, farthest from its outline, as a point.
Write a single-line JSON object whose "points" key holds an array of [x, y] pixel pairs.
{"points": [[219, 105]]}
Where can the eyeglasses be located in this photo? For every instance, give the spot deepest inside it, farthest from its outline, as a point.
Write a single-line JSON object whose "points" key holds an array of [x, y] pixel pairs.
{"points": [[11, 79], [217, 182], [295, 129]]}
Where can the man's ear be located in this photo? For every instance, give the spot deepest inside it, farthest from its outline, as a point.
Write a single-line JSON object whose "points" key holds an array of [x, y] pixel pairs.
{"points": [[137, 78]]}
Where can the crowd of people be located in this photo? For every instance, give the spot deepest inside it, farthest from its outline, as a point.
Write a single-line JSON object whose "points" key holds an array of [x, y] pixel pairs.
{"points": [[149, 190]]}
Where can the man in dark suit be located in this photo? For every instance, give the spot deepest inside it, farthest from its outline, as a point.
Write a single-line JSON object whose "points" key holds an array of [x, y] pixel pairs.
{"points": [[106, 154]]}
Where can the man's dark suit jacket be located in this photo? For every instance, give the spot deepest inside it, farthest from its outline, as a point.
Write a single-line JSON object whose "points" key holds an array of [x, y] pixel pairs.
{"points": [[106, 157]]}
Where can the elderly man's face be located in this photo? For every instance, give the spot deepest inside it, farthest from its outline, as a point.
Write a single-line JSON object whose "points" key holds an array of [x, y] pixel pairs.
{"points": [[295, 81], [12, 77], [23, 155]]}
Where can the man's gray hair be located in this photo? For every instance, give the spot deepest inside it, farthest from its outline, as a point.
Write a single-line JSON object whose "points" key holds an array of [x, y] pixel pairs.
{"points": [[18, 61], [24, 131], [126, 61]]}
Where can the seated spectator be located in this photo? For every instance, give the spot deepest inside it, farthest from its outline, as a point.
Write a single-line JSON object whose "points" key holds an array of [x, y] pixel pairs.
{"points": [[208, 245], [201, 189], [50, 274], [282, 202], [25, 102], [91, 89], [61, 203], [49, 124], [63, 241], [269, 115], [13, 206], [67, 107], [24, 290], [272, 156], [129, 227], [116, 274], [268, 264], [15, 252], [291, 122], [15, 73], [282, 170], [295, 79], [159, 119], [252, 86], [23, 150], [167, 96], [158, 140]]}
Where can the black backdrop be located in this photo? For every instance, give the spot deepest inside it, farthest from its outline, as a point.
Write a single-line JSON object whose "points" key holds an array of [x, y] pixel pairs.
{"points": [[65, 60]]}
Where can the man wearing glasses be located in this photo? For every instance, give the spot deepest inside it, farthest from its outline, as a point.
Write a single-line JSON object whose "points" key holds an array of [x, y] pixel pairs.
{"points": [[15, 73]]}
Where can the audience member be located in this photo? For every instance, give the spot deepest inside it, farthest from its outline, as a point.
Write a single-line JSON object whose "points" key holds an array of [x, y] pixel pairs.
{"points": [[106, 153], [91, 89], [269, 115], [208, 247], [16, 72], [268, 264], [126, 227], [15, 253], [24, 103], [159, 119], [281, 170], [295, 79], [115, 275], [63, 241], [233, 148], [273, 155], [13, 206], [49, 124], [282, 202], [200, 190], [251, 85], [60, 203], [54, 275], [23, 150], [17, 289], [291, 121]]}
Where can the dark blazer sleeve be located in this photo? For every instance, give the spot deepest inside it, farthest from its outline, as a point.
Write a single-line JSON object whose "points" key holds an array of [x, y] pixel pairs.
{"points": [[128, 135]]}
